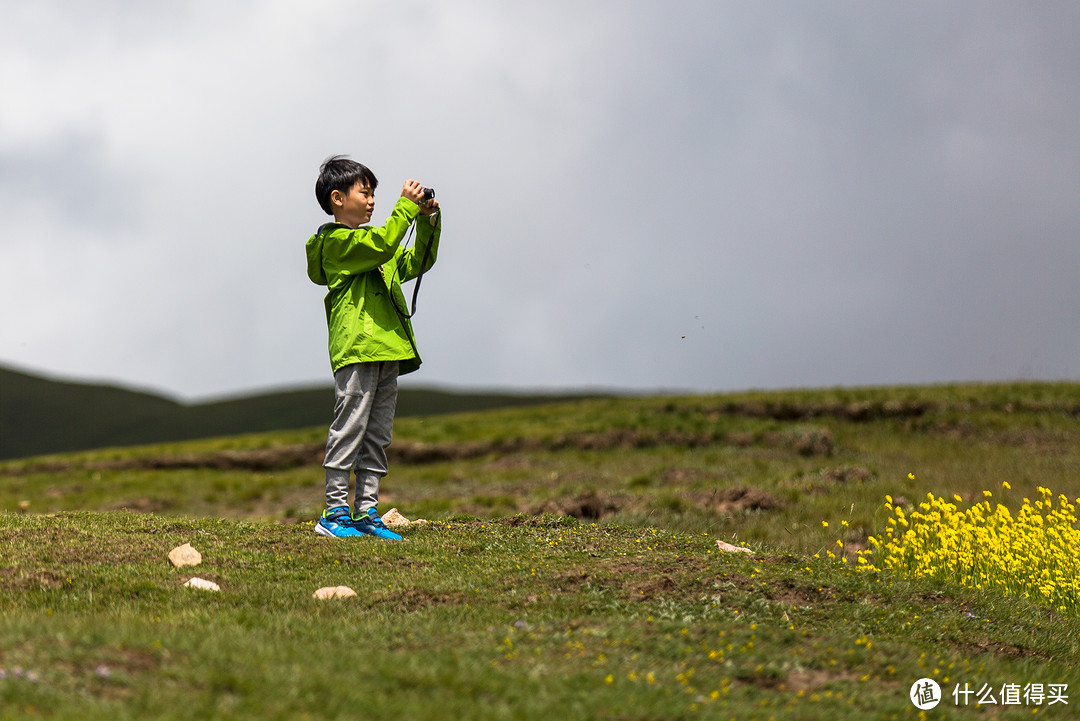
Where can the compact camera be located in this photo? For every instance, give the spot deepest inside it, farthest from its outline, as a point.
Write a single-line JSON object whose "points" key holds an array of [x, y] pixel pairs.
{"points": [[429, 194]]}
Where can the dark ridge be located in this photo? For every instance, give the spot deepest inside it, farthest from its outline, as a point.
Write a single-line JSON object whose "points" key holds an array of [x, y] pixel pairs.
{"points": [[41, 416]]}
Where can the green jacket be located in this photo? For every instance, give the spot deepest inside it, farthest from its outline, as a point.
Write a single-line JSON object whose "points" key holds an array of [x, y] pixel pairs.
{"points": [[364, 269]]}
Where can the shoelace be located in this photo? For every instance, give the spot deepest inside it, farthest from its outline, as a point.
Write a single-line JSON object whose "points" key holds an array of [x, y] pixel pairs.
{"points": [[366, 521], [338, 518]]}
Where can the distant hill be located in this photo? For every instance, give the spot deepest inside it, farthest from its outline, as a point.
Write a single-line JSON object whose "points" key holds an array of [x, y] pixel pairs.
{"points": [[39, 415]]}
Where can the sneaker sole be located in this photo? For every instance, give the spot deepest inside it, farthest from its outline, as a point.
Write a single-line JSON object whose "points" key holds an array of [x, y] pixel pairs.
{"points": [[324, 531], [381, 538]]}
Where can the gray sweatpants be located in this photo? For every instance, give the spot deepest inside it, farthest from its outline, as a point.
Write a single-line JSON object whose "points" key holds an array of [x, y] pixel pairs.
{"points": [[365, 398]]}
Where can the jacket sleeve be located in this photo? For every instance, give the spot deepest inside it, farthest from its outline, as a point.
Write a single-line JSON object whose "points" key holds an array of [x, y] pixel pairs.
{"points": [[426, 248], [348, 252]]}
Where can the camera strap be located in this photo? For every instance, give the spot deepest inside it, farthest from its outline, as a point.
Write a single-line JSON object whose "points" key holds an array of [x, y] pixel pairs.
{"points": [[419, 276]]}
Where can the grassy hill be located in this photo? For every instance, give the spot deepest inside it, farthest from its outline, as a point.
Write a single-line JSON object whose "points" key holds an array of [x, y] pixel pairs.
{"points": [[40, 415], [571, 568]]}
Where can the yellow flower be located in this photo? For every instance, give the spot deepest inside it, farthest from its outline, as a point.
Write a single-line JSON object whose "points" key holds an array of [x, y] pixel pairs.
{"points": [[1006, 486], [987, 547], [824, 524], [911, 476]]}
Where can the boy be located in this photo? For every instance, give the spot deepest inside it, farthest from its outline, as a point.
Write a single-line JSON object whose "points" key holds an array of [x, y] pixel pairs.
{"points": [[371, 339]]}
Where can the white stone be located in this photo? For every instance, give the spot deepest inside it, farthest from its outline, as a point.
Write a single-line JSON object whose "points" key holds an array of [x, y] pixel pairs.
{"points": [[185, 556], [202, 583], [334, 592], [394, 519], [728, 548]]}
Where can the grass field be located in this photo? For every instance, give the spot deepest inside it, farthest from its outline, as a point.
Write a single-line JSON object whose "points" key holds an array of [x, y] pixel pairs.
{"points": [[571, 569]]}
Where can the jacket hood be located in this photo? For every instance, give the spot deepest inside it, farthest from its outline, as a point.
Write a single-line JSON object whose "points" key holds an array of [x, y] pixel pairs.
{"points": [[314, 258]]}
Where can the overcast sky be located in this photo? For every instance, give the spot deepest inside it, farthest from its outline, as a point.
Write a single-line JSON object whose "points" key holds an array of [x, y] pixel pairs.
{"points": [[637, 195]]}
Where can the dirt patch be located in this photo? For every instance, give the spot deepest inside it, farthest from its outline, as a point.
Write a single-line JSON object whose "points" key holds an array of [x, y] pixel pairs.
{"points": [[804, 681], [410, 563], [1040, 441], [261, 459], [827, 480], [806, 441], [764, 681], [142, 505], [1036, 440], [640, 566], [744, 498], [650, 579], [512, 463], [413, 598], [64, 546], [15, 579], [650, 589], [857, 411], [574, 578], [784, 592], [686, 476], [129, 662], [638, 582], [811, 441], [737, 499], [264, 459], [1006, 650], [101, 672], [589, 505], [520, 520], [417, 452], [848, 474], [789, 593]]}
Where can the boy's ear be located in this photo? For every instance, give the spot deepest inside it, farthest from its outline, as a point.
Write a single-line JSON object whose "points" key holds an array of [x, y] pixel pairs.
{"points": [[337, 197]]}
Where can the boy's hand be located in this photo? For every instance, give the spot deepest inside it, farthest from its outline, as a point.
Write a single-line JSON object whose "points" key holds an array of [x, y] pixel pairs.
{"points": [[413, 191], [430, 207]]}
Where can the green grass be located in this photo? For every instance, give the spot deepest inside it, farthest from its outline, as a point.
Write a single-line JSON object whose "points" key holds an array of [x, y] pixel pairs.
{"points": [[501, 609]]}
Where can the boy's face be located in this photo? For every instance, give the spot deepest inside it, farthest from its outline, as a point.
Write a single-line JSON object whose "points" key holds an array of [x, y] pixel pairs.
{"points": [[355, 207]]}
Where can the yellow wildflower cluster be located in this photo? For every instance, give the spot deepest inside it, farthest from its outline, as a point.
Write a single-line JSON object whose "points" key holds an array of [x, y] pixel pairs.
{"points": [[1031, 554]]}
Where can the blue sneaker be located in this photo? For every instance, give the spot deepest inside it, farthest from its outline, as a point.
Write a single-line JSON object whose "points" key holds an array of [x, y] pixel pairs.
{"points": [[372, 525], [336, 522]]}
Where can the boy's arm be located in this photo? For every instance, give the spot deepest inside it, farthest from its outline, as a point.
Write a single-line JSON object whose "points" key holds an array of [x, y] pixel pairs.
{"points": [[426, 248], [355, 251]]}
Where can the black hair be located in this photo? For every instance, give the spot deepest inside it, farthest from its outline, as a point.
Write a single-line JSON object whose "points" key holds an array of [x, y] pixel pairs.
{"points": [[339, 172]]}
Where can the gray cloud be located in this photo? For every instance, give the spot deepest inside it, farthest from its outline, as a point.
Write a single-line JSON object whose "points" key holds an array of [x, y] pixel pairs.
{"points": [[687, 195], [73, 181]]}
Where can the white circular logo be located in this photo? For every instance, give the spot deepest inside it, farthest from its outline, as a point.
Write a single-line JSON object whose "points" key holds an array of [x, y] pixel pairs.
{"points": [[925, 694]]}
